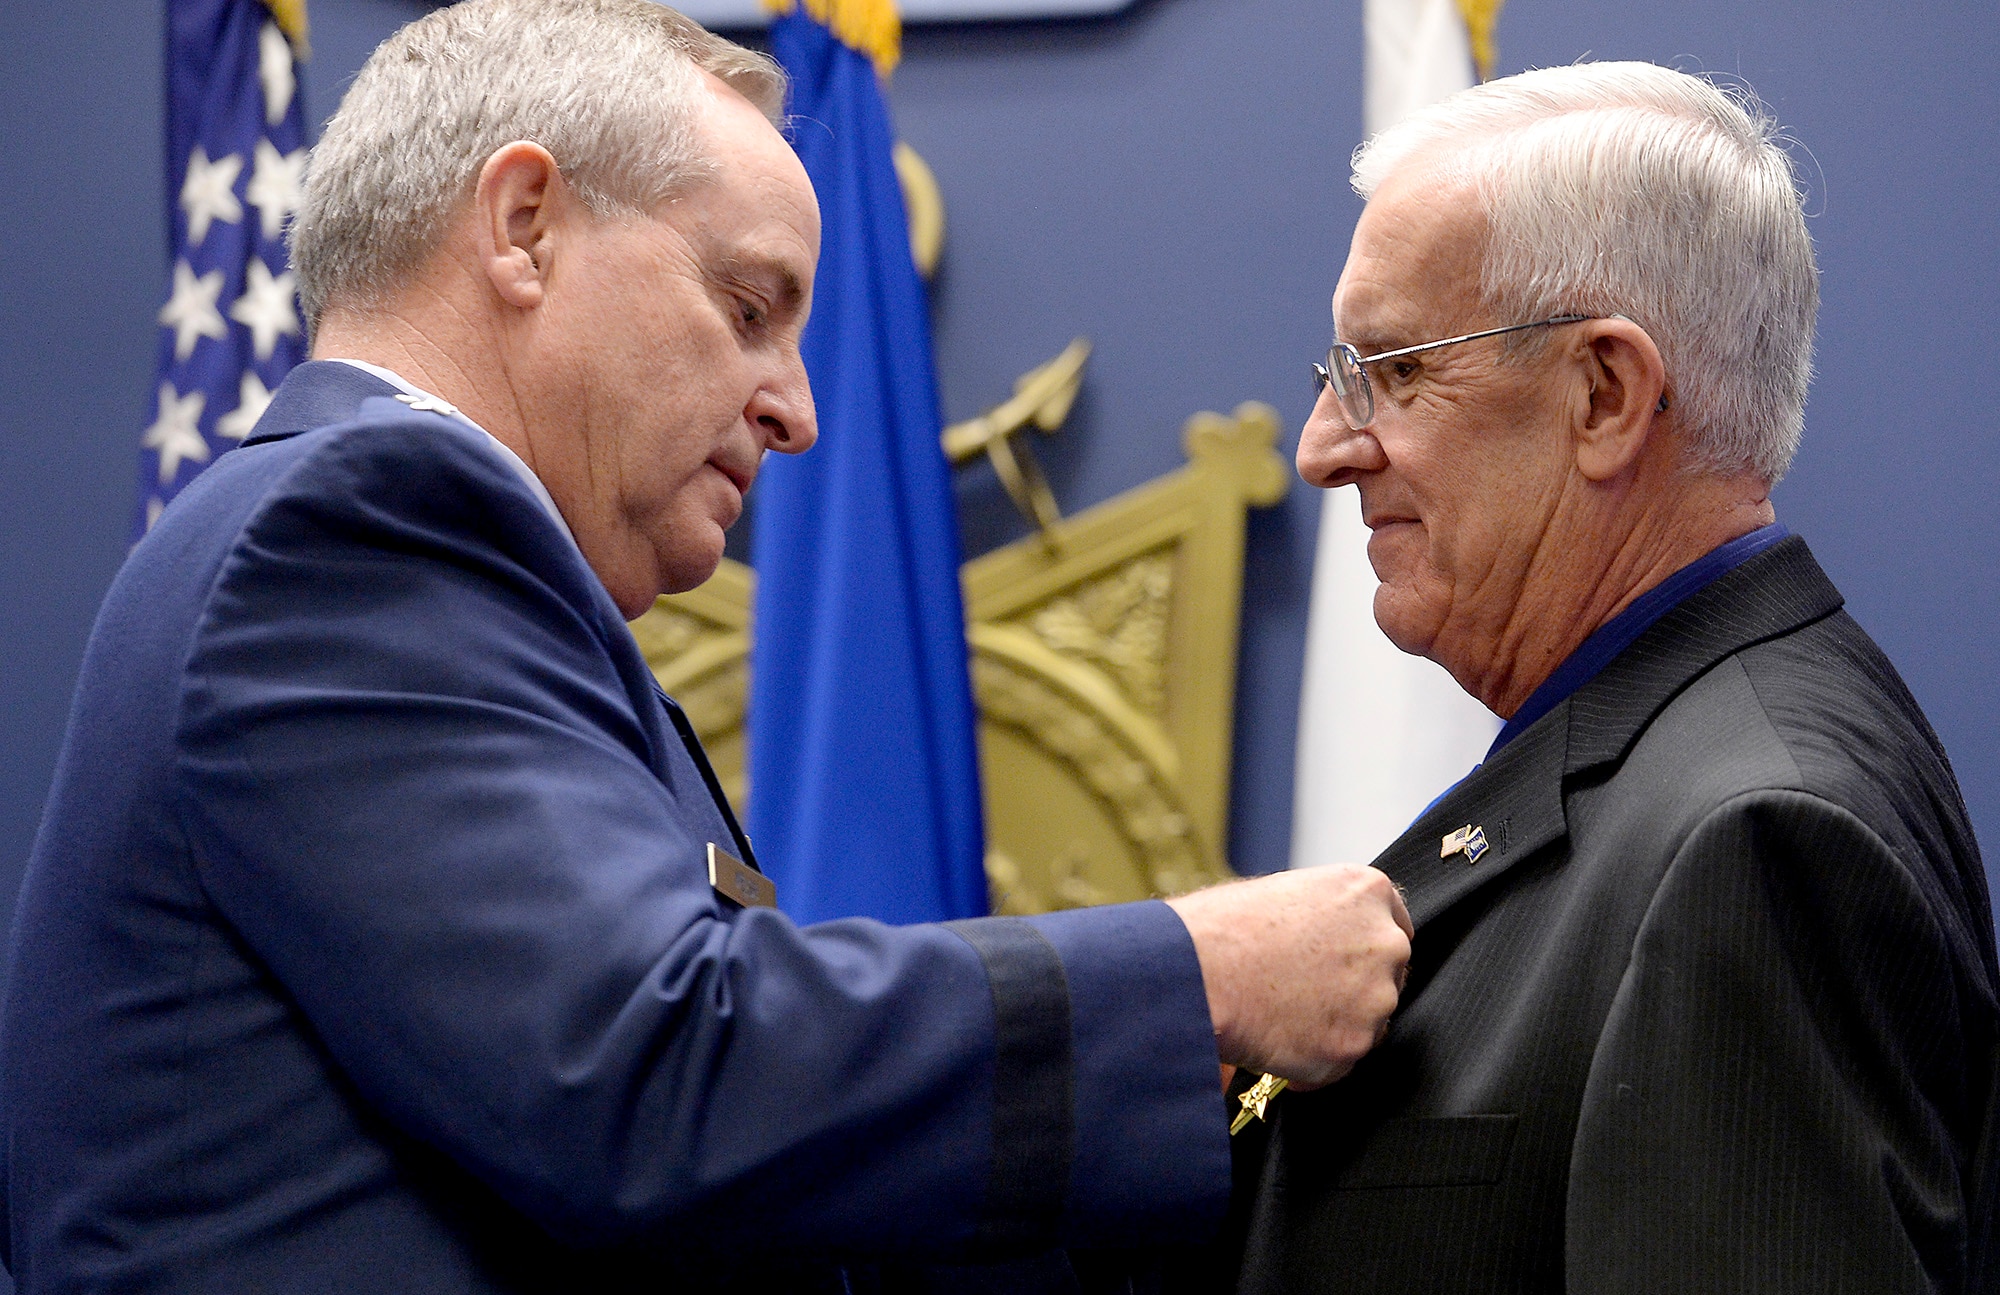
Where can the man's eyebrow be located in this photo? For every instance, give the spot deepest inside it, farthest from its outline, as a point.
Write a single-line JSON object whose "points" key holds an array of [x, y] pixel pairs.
{"points": [[1376, 336], [784, 287], [1361, 333], [1365, 340]]}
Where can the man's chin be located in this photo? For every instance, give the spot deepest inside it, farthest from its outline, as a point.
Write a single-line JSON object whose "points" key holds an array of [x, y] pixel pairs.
{"points": [[685, 566], [1405, 625], [683, 578], [634, 585]]}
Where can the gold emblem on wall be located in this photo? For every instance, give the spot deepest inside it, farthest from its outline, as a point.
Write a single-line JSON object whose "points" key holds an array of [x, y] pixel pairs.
{"points": [[1103, 664]]}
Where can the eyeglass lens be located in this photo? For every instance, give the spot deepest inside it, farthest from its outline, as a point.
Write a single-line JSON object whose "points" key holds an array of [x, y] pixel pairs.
{"points": [[1343, 372]]}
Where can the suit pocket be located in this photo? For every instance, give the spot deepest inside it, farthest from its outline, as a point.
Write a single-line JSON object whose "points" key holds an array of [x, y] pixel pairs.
{"points": [[1442, 1151], [1401, 1205]]}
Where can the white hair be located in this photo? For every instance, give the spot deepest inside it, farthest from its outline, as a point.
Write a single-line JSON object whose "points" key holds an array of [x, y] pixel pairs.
{"points": [[1631, 189], [613, 89]]}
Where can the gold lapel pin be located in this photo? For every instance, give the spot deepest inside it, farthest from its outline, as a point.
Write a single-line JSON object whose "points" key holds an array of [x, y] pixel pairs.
{"points": [[1469, 841]]}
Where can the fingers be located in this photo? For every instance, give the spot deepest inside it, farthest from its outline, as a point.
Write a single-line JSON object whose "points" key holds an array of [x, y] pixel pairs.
{"points": [[1401, 913], [1397, 908], [1302, 970]]}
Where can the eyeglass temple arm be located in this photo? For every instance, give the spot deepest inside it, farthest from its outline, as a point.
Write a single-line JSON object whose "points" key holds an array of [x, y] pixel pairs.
{"points": [[1470, 337]]}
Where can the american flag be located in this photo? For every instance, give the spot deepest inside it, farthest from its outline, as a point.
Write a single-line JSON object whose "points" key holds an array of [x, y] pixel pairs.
{"points": [[230, 330]]}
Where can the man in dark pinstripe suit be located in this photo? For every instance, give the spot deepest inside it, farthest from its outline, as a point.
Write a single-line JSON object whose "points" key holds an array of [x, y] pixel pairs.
{"points": [[1703, 996]]}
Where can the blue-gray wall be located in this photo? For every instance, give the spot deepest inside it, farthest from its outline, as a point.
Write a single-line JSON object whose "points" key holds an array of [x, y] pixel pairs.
{"points": [[1171, 183]]}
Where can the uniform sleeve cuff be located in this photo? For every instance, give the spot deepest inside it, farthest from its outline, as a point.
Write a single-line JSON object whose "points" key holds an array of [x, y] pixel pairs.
{"points": [[1151, 1145]]}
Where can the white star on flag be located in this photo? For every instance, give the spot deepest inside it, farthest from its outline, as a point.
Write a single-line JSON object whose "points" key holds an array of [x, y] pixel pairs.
{"points": [[208, 194], [191, 311], [231, 322], [274, 186], [266, 308], [252, 399], [177, 434], [274, 69]]}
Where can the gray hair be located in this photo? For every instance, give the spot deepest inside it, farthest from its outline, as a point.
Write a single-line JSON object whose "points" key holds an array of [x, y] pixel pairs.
{"points": [[1631, 189], [611, 88]]}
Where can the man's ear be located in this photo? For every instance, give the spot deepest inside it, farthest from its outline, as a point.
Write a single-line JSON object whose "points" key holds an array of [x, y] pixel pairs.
{"points": [[1628, 382], [520, 199]]}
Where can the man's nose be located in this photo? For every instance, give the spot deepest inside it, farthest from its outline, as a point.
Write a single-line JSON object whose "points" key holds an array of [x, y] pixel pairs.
{"points": [[782, 411], [1330, 452]]}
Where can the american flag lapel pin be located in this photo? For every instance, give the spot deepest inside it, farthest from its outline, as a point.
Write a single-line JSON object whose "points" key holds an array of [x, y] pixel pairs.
{"points": [[1469, 841]]}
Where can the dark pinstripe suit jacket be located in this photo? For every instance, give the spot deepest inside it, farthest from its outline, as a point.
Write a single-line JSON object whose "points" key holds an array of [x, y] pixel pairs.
{"points": [[1715, 1013]]}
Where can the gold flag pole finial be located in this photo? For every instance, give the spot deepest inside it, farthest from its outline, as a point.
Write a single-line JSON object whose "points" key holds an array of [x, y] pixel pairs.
{"points": [[1481, 16], [291, 17], [1042, 399], [871, 26]]}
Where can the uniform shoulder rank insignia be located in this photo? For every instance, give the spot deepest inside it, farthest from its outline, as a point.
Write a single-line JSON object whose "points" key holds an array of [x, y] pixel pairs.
{"points": [[429, 405], [1469, 841]]}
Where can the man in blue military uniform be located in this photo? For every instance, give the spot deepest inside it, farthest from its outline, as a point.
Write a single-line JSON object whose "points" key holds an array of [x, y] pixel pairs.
{"points": [[369, 942]]}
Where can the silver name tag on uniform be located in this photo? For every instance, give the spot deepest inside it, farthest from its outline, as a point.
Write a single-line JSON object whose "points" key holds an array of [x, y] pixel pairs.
{"points": [[736, 880]]}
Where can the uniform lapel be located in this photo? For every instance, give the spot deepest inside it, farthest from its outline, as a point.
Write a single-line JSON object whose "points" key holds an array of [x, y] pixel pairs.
{"points": [[317, 393], [690, 744]]}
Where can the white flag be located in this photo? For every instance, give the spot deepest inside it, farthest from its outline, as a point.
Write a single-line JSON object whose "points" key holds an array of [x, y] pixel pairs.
{"points": [[1418, 51], [1381, 732]]}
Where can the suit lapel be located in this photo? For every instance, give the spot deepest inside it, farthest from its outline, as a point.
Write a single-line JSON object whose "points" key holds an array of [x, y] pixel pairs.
{"points": [[1773, 593], [1516, 796], [1514, 799]]}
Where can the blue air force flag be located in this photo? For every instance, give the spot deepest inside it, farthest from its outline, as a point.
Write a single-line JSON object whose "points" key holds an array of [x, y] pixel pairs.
{"points": [[235, 154], [864, 775]]}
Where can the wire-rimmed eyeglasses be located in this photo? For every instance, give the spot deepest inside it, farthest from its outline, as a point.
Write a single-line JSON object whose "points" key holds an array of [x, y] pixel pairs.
{"points": [[1344, 373]]}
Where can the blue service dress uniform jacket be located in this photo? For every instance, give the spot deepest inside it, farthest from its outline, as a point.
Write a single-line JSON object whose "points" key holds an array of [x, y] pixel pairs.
{"points": [[367, 944]]}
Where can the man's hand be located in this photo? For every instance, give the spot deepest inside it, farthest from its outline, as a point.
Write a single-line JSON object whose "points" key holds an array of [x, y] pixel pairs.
{"points": [[1302, 968]]}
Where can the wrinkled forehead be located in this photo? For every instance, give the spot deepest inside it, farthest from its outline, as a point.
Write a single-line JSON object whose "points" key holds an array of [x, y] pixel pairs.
{"points": [[752, 160], [750, 221], [1415, 261]]}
